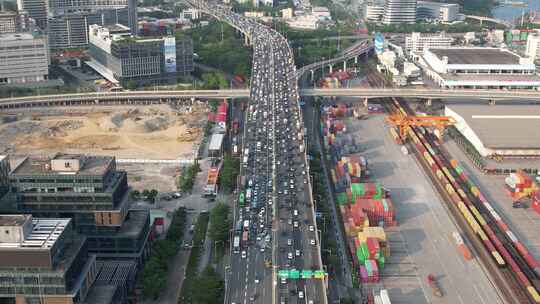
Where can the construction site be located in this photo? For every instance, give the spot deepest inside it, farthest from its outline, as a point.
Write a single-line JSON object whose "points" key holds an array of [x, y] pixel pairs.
{"points": [[155, 132]]}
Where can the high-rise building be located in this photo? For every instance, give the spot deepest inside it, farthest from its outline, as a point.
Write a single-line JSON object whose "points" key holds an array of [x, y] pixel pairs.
{"points": [[24, 58], [71, 29], [399, 11], [4, 175], [122, 58], [36, 9], [533, 45], [446, 12], [374, 10], [418, 42], [8, 22], [91, 191], [43, 261]]}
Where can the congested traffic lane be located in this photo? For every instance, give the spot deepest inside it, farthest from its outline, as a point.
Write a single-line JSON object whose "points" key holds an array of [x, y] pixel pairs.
{"points": [[274, 173]]}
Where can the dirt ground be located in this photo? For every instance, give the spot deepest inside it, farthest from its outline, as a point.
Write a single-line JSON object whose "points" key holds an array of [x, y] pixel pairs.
{"points": [[146, 133], [161, 177]]}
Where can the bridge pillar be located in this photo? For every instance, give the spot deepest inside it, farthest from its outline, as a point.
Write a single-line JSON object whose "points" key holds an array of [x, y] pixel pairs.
{"points": [[355, 59], [428, 102], [246, 40], [312, 73], [331, 69], [492, 102], [365, 102], [345, 65]]}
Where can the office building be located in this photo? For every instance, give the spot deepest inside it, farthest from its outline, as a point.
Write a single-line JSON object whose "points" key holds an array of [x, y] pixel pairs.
{"points": [[191, 14], [71, 30], [4, 175], [399, 11], [444, 12], [122, 58], [321, 12], [43, 261], [36, 9], [93, 193], [374, 11], [533, 45], [8, 22], [24, 58], [477, 67], [287, 13], [418, 42]]}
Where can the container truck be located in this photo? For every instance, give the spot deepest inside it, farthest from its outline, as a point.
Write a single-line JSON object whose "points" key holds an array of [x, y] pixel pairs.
{"points": [[245, 238]]}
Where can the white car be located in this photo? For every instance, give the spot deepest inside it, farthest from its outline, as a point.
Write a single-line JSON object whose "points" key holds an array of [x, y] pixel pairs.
{"points": [[289, 242], [297, 252], [289, 255], [296, 224], [300, 294], [312, 242], [311, 228], [244, 254]]}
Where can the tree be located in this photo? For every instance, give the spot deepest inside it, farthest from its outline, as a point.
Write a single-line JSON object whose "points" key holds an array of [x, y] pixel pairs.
{"points": [[135, 194], [229, 173], [220, 223], [208, 288], [131, 85], [146, 193], [346, 301]]}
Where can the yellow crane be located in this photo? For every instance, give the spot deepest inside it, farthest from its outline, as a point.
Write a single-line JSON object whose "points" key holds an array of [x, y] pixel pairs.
{"points": [[404, 122]]}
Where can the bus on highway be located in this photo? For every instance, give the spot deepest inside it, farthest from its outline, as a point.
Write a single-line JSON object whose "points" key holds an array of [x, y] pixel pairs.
{"points": [[242, 199], [236, 244]]}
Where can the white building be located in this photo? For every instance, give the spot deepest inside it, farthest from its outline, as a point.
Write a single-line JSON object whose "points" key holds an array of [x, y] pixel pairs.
{"points": [[321, 12], [8, 22], [477, 67], [399, 11], [191, 14], [437, 11], [254, 14], [533, 45], [23, 58], [267, 2], [496, 37], [417, 42], [374, 11], [287, 13], [305, 22]]}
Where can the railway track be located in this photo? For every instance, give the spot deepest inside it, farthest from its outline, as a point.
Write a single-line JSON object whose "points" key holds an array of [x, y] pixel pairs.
{"points": [[511, 267]]}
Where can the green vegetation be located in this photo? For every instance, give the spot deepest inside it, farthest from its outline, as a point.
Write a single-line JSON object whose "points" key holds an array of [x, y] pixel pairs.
{"points": [[229, 173], [220, 223], [154, 277], [329, 242], [214, 80], [191, 288], [218, 46], [209, 288], [187, 179], [425, 27]]}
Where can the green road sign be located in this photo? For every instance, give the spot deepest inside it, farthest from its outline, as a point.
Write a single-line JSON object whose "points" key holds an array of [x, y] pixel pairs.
{"points": [[283, 274], [307, 274], [295, 274]]}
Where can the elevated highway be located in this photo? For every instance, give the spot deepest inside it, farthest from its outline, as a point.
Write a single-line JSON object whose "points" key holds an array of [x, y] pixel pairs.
{"points": [[177, 97]]}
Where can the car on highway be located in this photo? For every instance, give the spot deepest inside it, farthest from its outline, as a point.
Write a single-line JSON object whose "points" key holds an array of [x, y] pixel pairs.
{"points": [[289, 242], [289, 255], [300, 294], [297, 252], [311, 228], [312, 242], [244, 254]]}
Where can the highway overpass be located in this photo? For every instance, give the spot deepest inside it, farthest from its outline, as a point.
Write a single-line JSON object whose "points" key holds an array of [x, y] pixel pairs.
{"points": [[172, 97]]}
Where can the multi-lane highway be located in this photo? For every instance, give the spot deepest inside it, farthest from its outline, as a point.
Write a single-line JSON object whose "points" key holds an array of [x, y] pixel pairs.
{"points": [[275, 227]]}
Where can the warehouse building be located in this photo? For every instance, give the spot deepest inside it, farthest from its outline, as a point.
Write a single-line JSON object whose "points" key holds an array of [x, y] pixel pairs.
{"points": [[43, 261], [477, 67], [503, 130], [533, 45]]}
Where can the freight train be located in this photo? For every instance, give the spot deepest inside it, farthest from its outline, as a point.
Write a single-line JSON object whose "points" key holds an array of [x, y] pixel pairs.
{"points": [[509, 254]]}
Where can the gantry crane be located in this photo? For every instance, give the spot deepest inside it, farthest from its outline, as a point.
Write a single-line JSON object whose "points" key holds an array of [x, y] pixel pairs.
{"points": [[404, 122]]}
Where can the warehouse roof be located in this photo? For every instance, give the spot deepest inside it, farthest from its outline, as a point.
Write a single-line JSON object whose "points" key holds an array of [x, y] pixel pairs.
{"points": [[503, 126], [215, 142], [476, 55]]}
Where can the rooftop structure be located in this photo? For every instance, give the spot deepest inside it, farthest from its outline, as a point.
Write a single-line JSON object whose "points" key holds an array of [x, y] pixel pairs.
{"points": [[510, 130], [457, 67], [445, 12], [43, 259], [65, 164], [8, 22], [216, 143]]}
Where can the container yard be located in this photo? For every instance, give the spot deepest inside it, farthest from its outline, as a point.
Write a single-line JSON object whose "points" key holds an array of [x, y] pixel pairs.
{"points": [[398, 229]]}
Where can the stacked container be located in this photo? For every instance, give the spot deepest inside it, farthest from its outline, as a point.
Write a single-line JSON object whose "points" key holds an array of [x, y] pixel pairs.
{"points": [[380, 212], [520, 185]]}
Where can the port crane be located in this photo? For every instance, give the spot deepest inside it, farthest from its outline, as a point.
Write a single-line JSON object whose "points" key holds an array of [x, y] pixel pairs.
{"points": [[404, 122]]}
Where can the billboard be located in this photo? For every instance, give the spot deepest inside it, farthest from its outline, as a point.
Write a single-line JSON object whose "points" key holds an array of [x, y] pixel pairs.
{"points": [[379, 43], [169, 44]]}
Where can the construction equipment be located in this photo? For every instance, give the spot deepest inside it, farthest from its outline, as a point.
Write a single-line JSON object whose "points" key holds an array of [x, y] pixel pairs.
{"points": [[432, 282], [404, 122]]}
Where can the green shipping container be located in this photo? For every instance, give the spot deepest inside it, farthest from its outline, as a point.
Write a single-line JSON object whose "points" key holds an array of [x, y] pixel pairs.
{"points": [[381, 261], [342, 198]]}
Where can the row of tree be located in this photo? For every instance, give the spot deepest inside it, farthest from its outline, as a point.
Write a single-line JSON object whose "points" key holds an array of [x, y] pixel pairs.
{"points": [[148, 195], [229, 173], [190, 288], [187, 178], [156, 268], [220, 223]]}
